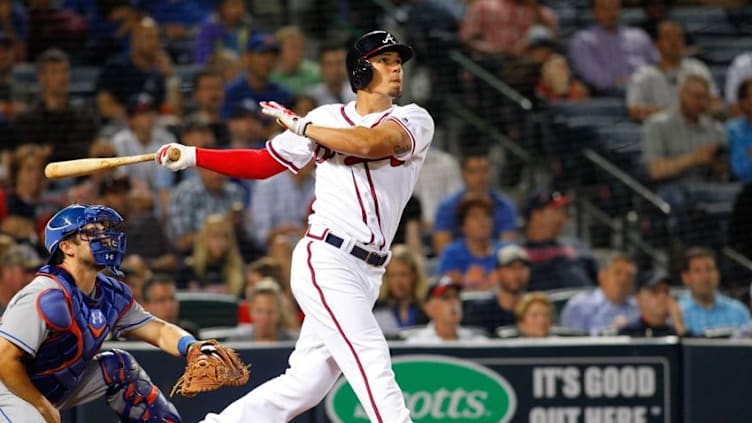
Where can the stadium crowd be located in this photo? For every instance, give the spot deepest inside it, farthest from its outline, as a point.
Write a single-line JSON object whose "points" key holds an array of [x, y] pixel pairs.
{"points": [[473, 258]]}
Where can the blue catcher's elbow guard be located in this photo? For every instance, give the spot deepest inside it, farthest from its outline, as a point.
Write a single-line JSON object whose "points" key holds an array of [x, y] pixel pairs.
{"points": [[131, 394]]}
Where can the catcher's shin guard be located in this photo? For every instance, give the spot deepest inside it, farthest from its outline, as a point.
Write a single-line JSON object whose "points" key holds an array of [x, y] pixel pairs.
{"points": [[130, 392]]}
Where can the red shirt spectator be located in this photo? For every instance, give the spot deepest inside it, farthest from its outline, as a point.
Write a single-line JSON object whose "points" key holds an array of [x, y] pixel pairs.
{"points": [[499, 26]]}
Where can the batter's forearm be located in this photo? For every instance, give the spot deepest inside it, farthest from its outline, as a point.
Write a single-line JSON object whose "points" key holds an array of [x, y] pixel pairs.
{"points": [[14, 377], [239, 163], [358, 141]]}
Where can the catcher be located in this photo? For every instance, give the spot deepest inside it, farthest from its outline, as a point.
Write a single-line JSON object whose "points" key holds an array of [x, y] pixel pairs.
{"points": [[53, 329]]}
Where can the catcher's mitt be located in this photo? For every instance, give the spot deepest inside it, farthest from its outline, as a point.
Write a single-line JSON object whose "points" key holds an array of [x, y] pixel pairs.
{"points": [[210, 366]]}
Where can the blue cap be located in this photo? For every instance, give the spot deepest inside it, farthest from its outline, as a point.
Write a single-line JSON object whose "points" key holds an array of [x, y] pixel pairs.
{"points": [[262, 42]]}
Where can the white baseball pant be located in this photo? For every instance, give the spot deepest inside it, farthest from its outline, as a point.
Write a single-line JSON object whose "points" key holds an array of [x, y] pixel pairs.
{"points": [[336, 291]]}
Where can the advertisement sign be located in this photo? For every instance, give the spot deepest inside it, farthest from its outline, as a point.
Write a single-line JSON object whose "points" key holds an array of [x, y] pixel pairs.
{"points": [[537, 390], [436, 389]]}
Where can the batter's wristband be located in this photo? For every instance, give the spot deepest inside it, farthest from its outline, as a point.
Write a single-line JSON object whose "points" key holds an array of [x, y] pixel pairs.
{"points": [[184, 343]]}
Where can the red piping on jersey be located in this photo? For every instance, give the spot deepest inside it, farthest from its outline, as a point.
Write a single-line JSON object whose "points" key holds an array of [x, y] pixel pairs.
{"points": [[375, 204], [242, 163], [344, 115], [342, 332], [360, 203]]}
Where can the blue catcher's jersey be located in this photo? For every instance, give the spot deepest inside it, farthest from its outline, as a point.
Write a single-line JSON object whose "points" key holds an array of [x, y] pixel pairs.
{"points": [[78, 326]]}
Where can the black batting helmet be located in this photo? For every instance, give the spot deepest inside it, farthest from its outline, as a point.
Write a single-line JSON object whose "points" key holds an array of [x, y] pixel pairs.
{"points": [[375, 42]]}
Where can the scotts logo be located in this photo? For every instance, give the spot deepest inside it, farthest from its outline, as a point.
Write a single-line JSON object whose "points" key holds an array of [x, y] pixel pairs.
{"points": [[436, 389]]}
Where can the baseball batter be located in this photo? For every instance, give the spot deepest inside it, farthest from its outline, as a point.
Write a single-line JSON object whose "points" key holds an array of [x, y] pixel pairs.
{"points": [[368, 154], [53, 329]]}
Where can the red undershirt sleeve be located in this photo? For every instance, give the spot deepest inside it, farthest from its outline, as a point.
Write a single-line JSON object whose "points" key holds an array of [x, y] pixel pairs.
{"points": [[239, 163]]}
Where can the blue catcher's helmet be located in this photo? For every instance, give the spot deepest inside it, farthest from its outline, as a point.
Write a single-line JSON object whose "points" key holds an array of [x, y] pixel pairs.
{"points": [[107, 243]]}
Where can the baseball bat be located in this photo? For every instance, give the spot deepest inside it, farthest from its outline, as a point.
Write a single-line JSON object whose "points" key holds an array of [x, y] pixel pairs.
{"points": [[79, 167]]}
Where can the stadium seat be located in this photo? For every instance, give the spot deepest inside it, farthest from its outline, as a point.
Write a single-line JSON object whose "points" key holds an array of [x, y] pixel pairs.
{"points": [[208, 309]]}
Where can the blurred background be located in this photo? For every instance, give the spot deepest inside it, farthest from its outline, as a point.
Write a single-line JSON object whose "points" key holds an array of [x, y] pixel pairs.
{"points": [[588, 176]]}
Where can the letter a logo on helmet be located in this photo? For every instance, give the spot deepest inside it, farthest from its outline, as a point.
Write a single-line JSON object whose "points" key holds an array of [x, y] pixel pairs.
{"points": [[375, 42]]}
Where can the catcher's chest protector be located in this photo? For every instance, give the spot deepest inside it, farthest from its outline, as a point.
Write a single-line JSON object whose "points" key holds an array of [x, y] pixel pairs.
{"points": [[78, 327]]}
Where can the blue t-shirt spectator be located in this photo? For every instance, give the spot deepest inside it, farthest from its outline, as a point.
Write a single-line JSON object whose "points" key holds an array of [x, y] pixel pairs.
{"points": [[477, 272], [504, 214], [725, 313], [239, 90], [739, 133]]}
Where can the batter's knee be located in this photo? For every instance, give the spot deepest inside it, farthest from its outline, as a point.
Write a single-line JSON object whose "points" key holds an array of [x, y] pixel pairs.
{"points": [[130, 391]]}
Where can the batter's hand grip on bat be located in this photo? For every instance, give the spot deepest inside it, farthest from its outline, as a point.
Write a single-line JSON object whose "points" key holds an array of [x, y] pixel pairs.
{"points": [[173, 154]]}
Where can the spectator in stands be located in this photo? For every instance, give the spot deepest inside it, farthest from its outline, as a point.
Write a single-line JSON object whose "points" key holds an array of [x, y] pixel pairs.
{"points": [[556, 82], [684, 152], [535, 315], [271, 322], [494, 27], [18, 266], [109, 24], [25, 211], [177, 18], [50, 26], [262, 53], [208, 97], [227, 28], [147, 68], [606, 54], [192, 201], [653, 87], [303, 104], [608, 307], [159, 297], [142, 135], [113, 193], [216, 264], [410, 228], [14, 25], [248, 127], [513, 275], [739, 133], [523, 72], [283, 204], [146, 232], [739, 70], [137, 272], [53, 121], [555, 262], [444, 309], [294, 71], [335, 85], [660, 314], [265, 268], [12, 93], [402, 291], [439, 178], [470, 260], [476, 176], [704, 308]]}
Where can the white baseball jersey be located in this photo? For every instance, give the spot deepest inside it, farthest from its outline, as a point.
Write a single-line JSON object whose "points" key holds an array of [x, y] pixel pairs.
{"points": [[360, 198]]}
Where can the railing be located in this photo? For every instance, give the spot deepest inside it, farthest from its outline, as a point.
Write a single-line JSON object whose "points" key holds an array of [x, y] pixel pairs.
{"points": [[494, 82], [630, 235]]}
